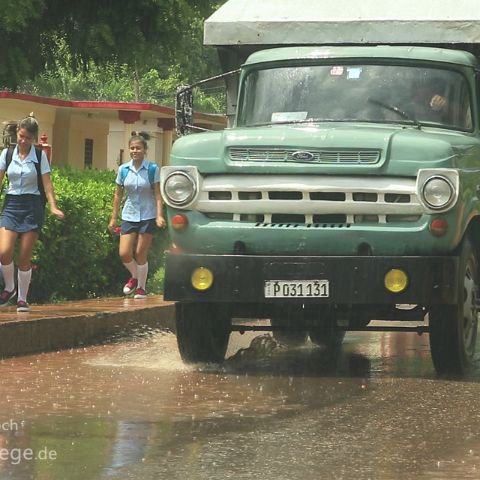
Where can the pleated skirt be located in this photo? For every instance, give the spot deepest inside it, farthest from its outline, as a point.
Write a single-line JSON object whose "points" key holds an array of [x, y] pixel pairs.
{"points": [[22, 213]]}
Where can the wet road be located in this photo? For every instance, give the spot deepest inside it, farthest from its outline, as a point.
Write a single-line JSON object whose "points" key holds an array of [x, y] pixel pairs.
{"points": [[133, 411]]}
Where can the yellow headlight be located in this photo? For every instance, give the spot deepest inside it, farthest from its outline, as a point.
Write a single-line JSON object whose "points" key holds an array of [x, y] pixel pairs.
{"points": [[202, 278], [396, 280]]}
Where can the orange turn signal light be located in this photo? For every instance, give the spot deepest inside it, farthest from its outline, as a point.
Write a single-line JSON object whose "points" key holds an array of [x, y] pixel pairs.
{"points": [[438, 227], [179, 221]]}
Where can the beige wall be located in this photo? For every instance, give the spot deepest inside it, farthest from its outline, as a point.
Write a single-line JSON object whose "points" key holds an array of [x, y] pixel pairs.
{"points": [[80, 129], [60, 138], [67, 128], [16, 110], [115, 142], [120, 134]]}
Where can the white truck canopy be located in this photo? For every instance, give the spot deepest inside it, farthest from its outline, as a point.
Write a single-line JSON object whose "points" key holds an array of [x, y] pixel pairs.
{"points": [[294, 22], [241, 27]]}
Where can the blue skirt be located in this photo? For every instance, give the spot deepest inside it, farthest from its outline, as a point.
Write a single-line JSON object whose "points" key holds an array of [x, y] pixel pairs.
{"points": [[145, 226], [22, 213]]}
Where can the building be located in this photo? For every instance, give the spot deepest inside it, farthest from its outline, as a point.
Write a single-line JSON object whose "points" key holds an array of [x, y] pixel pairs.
{"points": [[92, 134]]}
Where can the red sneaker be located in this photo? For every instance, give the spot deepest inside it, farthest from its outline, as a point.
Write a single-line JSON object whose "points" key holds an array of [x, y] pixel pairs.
{"points": [[6, 296], [22, 306], [130, 286], [140, 293]]}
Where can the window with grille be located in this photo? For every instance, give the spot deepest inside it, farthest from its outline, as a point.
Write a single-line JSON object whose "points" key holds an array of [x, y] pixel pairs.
{"points": [[88, 156]]}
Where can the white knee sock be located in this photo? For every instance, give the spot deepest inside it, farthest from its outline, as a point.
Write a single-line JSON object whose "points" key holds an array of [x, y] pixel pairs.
{"points": [[142, 275], [24, 277], [132, 268], [8, 272]]}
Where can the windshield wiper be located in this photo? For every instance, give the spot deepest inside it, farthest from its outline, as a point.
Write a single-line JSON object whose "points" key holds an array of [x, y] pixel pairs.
{"points": [[396, 110]]}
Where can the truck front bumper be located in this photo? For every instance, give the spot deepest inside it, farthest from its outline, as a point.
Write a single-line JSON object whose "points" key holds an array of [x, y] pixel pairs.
{"points": [[352, 280]]}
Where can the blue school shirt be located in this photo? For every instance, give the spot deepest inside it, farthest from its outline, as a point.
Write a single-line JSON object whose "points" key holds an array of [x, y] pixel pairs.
{"points": [[140, 203], [22, 174]]}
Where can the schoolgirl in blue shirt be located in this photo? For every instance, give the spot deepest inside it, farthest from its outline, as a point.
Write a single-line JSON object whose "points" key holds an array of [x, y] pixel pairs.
{"points": [[23, 210], [142, 212]]}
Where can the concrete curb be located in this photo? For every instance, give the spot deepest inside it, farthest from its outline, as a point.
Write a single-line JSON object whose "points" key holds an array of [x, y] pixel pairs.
{"points": [[75, 324]]}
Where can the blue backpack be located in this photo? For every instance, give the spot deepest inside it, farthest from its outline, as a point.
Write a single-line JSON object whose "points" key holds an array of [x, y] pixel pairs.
{"points": [[152, 167]]}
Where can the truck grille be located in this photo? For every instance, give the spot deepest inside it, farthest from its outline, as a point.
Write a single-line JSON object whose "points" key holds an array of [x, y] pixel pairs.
{"points": [[316, 156], [313, 201]]}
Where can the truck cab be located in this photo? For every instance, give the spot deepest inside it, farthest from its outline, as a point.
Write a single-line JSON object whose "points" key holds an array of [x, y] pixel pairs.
{"points": [[344, 190]]}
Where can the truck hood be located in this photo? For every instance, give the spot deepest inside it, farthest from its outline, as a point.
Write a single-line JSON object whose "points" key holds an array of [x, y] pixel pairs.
{"points": [[401, 150]]}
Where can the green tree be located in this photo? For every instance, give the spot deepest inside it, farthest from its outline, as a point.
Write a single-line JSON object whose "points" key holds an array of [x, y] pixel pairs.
{"points": [[142, 34], [67, 75], [18, 57]]}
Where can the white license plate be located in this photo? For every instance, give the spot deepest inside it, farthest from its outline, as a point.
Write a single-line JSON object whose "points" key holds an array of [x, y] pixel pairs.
{"points": [[296, 288]]}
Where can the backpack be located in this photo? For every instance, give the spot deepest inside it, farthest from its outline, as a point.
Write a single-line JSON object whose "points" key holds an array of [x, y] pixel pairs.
{"points": [[38, 167], [151, 173]]}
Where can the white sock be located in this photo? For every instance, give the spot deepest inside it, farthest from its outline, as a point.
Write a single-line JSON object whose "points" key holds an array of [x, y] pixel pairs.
{"points": [[132, 268], [8, 276], [24, 277], [142, 275]]}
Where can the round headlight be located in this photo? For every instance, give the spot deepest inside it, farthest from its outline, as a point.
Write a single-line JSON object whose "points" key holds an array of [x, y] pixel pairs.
{"points": [[179, 188], [437, 192]]}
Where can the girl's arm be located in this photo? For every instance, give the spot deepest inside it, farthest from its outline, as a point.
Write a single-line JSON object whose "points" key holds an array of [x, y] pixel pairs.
{"points": [[117, 199], [2, 172], [50, 193], [159, 203]]}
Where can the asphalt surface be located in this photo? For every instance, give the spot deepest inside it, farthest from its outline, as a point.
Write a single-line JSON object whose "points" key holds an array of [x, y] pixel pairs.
{"points": [[71, 324]]}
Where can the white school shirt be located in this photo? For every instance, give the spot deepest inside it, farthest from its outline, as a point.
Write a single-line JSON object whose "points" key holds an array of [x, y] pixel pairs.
{"points": [[140, 203], [22, 174]]}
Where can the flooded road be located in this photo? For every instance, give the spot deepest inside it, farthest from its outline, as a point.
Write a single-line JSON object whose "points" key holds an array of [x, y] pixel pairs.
{"points": [[132, 410]]}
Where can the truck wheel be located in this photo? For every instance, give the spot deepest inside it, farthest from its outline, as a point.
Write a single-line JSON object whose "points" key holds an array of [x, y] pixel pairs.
{"points": [[453, 328], [324, 330], [291, 338], [202, 331]]}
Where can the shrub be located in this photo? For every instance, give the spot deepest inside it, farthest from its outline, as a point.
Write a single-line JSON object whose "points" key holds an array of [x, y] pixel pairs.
{"points": [[78, 258]]}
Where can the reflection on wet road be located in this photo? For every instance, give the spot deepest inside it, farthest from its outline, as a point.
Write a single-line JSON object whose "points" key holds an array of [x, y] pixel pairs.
{"points": [[133, 411]]}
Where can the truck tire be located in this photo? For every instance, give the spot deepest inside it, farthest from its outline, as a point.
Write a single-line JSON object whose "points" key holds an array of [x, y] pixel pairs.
{"points": [[324, 332], [203, 331], [453, 328], [290, 338]]}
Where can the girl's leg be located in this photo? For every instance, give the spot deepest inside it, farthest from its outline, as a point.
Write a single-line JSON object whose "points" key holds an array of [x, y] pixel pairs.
{"points": [[7, 247], [126, 246], [142, 275], [125, 250], [143, 247], [141, 254], [27, 242], [8, 272], [24, 278]]}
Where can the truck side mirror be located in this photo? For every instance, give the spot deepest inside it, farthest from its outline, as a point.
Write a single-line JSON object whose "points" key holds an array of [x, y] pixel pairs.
{"points": [[184, 110]]}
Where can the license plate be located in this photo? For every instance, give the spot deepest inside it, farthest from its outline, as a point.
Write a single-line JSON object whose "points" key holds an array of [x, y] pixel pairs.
{"points": [[296, 288]]}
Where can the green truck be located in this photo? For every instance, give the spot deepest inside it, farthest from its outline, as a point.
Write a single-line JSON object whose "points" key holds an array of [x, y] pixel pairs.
{"points": [[345, 188]]}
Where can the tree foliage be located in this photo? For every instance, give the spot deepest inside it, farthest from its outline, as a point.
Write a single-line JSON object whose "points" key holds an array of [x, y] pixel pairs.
{"points": [[140, 34], [95, 269], [114, 82]]}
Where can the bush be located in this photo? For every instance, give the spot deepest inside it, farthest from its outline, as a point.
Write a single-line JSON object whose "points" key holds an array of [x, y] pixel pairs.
{"points": [[78, 258]]}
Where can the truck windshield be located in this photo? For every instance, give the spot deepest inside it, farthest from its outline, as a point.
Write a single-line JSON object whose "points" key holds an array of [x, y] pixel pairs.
{"points": [[356, 93]]}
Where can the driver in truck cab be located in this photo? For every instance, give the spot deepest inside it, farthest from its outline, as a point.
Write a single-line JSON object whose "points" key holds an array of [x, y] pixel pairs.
{"points": [[429, 102]]}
